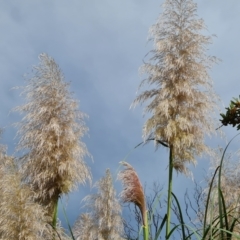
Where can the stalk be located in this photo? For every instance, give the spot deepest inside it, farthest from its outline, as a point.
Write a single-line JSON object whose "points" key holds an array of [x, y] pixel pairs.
{"points": [[169, 192], [145, 225]]}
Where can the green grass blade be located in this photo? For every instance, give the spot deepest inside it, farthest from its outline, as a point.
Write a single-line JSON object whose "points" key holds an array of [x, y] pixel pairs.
{"points": [[67, 221], [194, 232], [181, 217], [224, 211], [212, 227], [206, 229], [54, 229], [220, 203], [161, 227], [170, 185], [154, 207], [171, 232], [220, 171], [208, 199], [233, 224]]}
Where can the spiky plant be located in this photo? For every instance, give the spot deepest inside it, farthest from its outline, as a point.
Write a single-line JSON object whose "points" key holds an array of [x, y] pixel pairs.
{"points": [[50, 134], [21, 217], [133, 193], [104, 218], [182, 99]]}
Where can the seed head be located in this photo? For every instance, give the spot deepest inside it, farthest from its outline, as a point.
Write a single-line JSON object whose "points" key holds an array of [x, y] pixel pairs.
{"points": [[182, 100], [50, 135], [132, 188]]}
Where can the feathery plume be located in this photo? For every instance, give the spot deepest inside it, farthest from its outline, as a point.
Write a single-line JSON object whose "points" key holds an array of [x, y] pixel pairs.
{"points": [[182, 99], [84, 229], [21, 217], [51, 133], [104, 218], [133, 190]]}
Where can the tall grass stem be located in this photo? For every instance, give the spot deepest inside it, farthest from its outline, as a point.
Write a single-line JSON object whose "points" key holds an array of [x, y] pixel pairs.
{"points": [[169, 192], [145, 226]]}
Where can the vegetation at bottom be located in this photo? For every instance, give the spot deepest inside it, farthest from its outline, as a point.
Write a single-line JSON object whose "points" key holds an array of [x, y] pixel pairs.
{"points": [[181, 104]]}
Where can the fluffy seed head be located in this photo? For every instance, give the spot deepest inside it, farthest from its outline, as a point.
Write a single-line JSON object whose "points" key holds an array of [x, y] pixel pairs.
{"points": [[182, 99], [132, 188], [50, 134], [104, 218], [21, 217], [83, 228]]}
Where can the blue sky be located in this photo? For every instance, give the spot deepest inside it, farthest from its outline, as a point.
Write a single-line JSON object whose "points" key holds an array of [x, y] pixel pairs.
{"points": [[100, 45]]}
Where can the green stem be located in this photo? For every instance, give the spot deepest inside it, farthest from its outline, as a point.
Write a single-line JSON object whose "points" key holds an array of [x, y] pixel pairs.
{"points": [[169, 192], [145, 226]]}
